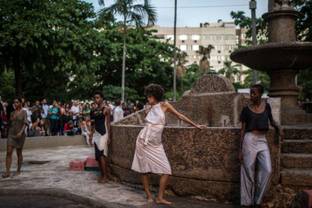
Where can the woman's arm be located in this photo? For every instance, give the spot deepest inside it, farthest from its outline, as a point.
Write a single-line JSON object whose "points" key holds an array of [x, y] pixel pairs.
{"points": [[169, 108]]}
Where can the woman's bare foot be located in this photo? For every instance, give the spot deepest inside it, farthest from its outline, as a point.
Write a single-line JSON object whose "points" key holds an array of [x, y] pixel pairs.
{"points": [[162, 201], [102, 180], [6, 175], [17, 173]]}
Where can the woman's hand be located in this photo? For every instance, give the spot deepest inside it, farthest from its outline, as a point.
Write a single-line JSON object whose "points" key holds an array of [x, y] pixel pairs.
{"points": [[19, 135], [201, 127]]}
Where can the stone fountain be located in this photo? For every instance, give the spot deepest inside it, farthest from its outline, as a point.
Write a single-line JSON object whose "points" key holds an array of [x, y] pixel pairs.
{"points": [[282, 57]]}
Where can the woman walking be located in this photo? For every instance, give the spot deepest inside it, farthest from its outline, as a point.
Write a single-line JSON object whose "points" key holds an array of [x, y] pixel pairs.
{"points": [[254, 149], [150, 156], [16, 137]]}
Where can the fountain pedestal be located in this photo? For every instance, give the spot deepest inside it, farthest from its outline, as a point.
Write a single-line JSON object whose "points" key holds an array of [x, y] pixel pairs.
{"points": [[282, 57]]}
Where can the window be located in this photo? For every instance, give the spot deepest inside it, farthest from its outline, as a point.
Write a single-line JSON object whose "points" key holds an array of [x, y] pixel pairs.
{"points": [[195, 37], [183, 47], [195, 47], [183, 37], [169, 37]]}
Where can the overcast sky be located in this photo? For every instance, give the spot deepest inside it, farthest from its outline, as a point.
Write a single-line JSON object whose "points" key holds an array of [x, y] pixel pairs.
{"points": [[193, 12]]}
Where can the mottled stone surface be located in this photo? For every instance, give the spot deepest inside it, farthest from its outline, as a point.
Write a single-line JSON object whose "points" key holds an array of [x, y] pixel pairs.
{"points": [[204, 162], [212, 84], [52, 184]]}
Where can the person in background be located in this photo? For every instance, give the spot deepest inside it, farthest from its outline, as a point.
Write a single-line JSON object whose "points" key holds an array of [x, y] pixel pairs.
{"points": [[16, 137], [63, 118], [118, 113], [254, 153], [75, 111], [54, 115], [85, 131], [5, 120], [86, 110], [34, 128], [44, 116], [36, 110]]}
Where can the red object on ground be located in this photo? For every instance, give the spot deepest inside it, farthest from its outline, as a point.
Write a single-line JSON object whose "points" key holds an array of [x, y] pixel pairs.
{"points": [[308, 194], [91, 163], [76, 165]]}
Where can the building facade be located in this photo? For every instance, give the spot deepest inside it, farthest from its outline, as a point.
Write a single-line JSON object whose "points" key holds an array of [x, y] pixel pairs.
{"points": [[224, 36]]}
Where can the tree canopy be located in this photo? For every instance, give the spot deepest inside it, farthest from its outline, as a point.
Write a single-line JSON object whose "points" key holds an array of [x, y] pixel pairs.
{"points": [[62, 50]]}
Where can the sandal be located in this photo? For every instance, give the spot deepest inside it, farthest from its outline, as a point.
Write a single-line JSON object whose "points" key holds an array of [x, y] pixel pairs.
{"points": [[6, 175]]}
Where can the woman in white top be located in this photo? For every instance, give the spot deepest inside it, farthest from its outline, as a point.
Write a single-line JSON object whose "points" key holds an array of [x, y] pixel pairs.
{"points": [[150, 156]]}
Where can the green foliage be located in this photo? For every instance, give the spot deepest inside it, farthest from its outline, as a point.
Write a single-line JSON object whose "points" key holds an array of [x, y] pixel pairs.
{"points": [[7, 89], [61, 49], [113, 93], [243, 21], [263, 78]]}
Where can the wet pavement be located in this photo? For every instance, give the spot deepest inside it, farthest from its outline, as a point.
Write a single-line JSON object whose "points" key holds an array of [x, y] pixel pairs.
{"points": [[48, 169]]}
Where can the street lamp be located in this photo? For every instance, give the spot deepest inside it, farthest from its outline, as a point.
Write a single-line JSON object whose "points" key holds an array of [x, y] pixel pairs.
{"points": [[253, 7], [175, 53]]}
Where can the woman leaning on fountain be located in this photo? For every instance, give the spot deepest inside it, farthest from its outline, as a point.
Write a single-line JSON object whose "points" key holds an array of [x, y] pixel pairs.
{"points": [[150, 156], [254, 151]]}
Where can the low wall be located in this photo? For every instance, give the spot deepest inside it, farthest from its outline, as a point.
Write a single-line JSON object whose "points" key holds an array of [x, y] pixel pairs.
{"points": [[204, 162], [47, 142]]}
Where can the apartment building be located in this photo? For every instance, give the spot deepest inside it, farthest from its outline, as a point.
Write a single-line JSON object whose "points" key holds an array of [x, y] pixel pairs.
{"points": [[224, 36]]}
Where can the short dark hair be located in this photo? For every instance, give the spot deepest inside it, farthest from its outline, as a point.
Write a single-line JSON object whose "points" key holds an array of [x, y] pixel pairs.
{"points": [[117, 102], [98, 93], [154, 90], [259, 87]]}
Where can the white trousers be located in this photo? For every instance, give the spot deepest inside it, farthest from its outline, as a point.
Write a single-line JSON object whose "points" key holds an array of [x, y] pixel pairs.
{"points": [[254, 184]]}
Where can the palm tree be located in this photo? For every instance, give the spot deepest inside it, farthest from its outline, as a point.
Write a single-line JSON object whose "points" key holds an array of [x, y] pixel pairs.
{"points": [[181, 59], [229, 70], [204, 64], [132, 13], [180, 68]]}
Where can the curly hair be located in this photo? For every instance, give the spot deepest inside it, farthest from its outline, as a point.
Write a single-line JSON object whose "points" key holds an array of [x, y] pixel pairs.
{"points": [[154, 90]]}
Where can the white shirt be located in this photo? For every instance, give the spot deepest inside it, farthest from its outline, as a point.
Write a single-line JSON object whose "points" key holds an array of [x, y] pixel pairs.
{"points": [[75, 110], [45, 109], [118, 114]]}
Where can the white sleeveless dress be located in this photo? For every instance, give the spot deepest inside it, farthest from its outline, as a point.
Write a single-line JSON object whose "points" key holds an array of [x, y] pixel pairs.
{"points": [[150, 156]]}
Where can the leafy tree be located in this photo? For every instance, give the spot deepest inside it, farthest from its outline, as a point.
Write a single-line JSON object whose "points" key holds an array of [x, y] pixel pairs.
{"points": [[45, 43], [7, 89], [229, 70], [131, 13]]}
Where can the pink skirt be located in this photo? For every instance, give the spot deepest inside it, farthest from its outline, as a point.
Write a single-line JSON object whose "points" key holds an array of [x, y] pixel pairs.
{"points": [[150, 158]]}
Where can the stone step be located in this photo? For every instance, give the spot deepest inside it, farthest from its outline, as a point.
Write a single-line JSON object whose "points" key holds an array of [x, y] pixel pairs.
{"points": [[297, 146], [297, 177], [296, 160], [298, 133]]}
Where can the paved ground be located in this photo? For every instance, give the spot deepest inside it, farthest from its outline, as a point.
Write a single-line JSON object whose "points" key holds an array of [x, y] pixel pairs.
{"points": [[55, 175]]}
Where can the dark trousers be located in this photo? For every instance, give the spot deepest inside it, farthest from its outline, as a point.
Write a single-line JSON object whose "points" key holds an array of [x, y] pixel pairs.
{"points": [[54, 125]]}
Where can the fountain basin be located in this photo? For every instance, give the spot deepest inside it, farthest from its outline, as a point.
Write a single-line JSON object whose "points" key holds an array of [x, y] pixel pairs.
{"points": [[275, 56], [204, 162]]}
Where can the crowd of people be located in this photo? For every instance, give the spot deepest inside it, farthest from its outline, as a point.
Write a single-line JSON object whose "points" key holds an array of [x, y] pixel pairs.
{"points": [[57, 118]]}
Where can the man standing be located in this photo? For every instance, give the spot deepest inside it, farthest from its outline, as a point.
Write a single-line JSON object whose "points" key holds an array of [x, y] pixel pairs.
{"points": [[100, 118], [75, 110], [118, 112], [44, 115]]}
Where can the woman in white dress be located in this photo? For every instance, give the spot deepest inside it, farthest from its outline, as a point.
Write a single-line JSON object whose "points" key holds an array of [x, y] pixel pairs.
{"points": [[150, 156]]}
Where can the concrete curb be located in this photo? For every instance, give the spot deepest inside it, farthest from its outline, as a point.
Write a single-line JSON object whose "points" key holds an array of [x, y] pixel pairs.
{"points": [[60, 193], [47, 142]]}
